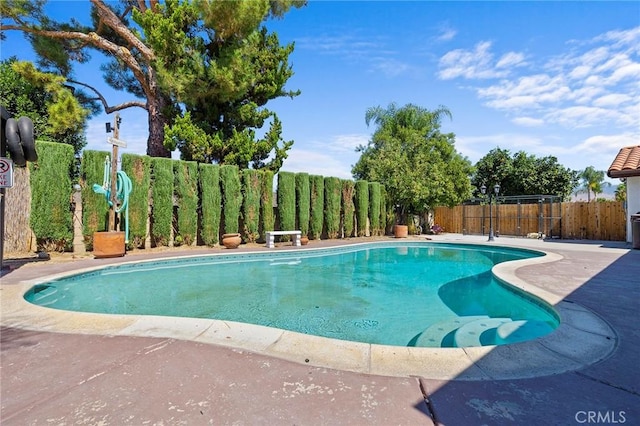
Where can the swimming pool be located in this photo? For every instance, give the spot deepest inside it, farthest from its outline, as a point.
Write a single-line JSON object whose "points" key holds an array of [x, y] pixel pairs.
{"points": [[412, 294]]}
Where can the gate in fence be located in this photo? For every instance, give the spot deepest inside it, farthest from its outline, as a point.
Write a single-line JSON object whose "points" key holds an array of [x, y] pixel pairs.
{"points": [[519, 215]]}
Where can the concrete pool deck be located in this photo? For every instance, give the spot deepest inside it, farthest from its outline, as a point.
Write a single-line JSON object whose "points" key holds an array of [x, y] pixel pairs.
{"points": [[67, 370]]}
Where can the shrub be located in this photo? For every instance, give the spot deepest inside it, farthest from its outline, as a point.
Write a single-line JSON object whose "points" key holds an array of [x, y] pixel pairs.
{"points": [[317, 206], [95, 209], [210, 203], [251, 204], [231, 197], [51, 217], [267, 218], [162, 195], [286, 202], [332, 196], [137, 167], [362, 206], [186, 193], [374, 208], [348, 208], [303, 202]]}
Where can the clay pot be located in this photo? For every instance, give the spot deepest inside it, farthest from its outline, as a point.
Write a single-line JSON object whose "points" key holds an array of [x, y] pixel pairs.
{"points": [[231, 241], [108, 244], [401, 231], [304, 240]]}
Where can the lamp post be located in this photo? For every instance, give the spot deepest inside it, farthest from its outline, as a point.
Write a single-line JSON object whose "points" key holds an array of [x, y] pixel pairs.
{"points": [[496, 190]]}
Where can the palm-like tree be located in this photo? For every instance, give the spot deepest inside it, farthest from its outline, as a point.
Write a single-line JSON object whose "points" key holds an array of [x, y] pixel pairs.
{"points": [[621, 192], [593, 181]]}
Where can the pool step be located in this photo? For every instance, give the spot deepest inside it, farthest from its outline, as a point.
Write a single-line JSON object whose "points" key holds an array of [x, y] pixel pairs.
{"points": [[433, 335], [470, 333], [44, 295], [521, 330]]}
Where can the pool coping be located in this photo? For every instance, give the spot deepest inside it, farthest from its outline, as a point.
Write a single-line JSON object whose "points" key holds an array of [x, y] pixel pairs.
{"points": [[583, 338]]}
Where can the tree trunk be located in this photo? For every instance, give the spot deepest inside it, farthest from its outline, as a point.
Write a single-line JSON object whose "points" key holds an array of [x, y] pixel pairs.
{"points": [[157, 120]]}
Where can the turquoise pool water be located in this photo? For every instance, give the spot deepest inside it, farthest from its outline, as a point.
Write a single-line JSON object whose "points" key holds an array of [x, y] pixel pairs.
{"points": [[409, 294]]}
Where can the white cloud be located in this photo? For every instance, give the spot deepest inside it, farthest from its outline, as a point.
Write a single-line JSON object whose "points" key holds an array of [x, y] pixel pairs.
{"points": [[511, 59], [528, 121], [470, 64], [612, 99], [334, 157], [592, 84]]}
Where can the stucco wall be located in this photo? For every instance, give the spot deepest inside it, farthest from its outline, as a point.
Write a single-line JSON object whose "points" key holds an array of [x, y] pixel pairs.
{"points": [[633, 201]]}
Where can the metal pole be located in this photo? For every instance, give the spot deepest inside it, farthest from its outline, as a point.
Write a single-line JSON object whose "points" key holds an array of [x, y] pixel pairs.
{"points": [[490, 219], [114, 171]]}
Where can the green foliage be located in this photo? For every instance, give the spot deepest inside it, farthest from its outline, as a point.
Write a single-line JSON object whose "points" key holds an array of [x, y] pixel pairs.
{"points": [[95, 209], [348, 207], [317, 206], [592, 181], [332, 197], [51, 217], [173, 54], [267, 217], [57, 116], [251, 204], [162, 181], [362, 206], [374, 208], [211, 203], [223, 74], [303, 202], [523, 174], [186, 193], [417, 164], [621, 192], [386, 216], [286, 202], [138, 168], [231, 197]]}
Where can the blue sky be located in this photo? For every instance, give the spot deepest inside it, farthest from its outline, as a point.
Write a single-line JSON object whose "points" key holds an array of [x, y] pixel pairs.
{"points": [[549, 78]]}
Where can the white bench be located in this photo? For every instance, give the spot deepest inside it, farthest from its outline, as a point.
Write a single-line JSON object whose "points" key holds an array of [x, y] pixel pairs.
{"points": [[270, 237]]}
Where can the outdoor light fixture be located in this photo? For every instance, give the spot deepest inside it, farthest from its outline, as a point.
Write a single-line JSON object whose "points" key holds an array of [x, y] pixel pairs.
{"points": [[483, 190]]}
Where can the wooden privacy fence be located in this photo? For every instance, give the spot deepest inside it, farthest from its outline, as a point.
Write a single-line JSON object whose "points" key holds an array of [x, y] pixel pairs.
{"points": [[569, 220]]}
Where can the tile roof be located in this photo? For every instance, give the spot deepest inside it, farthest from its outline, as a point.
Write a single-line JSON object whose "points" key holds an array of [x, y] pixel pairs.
{"points": [[626, 164]]}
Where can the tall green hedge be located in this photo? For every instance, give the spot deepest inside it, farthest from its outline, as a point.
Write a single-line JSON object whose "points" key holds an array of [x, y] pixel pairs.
{"points": [[384, 212], [286, 202], [186, 192], [251, 204], [374, 208], [317, 206], [162, 181], [362, 206], [348, 208], [267, 218], [210, 203], [138, 168], [303, 202], [332, 197], [231, 197], [95, 209], [51, 188]]}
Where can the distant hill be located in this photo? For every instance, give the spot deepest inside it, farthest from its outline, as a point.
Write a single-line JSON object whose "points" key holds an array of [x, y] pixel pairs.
{"points": [[609, 193]]}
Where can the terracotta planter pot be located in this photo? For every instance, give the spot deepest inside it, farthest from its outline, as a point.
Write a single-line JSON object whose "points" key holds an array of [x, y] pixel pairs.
{"points": [[231, 241], [108, 244], [401, 231], [304, 240]]}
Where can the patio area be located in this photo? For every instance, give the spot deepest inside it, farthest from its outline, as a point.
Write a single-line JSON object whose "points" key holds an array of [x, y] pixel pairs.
{"points": [[101, 378]]}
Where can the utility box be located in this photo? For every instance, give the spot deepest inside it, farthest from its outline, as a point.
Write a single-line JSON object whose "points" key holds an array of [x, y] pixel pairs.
{"points": [[635, 231]]}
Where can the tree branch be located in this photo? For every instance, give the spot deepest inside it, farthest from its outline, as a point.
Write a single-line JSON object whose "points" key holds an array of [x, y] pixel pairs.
{"points": [[113, 21], [109, 109]]}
